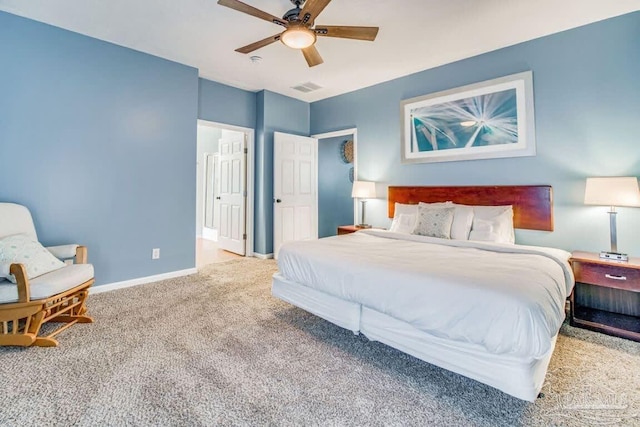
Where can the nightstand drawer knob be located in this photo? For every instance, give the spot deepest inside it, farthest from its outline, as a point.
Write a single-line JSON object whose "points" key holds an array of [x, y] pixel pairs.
{"points": [[614, 277]]}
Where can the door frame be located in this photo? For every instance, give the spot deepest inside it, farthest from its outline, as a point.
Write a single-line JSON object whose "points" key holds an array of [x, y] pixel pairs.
{"points": [[327, 135], [250, 167]]}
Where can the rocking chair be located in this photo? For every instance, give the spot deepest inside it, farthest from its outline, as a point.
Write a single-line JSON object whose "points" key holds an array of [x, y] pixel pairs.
{"points": [[58, 295]]}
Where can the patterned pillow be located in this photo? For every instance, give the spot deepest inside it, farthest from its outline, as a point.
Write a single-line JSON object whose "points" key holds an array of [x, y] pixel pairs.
{"points": [[434, 222], [22, 249]]}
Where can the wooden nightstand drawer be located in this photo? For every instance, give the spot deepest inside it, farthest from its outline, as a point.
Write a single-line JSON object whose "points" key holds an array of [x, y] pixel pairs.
{"points": [[611, 276], [606, 297]]}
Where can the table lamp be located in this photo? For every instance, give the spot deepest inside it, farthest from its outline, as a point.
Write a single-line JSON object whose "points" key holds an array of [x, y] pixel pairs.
{"points": [[363, 190], [612, 191]]}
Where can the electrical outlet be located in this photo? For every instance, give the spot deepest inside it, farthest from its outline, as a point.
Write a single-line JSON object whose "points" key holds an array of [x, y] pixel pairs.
{"points": [[155, 254]]}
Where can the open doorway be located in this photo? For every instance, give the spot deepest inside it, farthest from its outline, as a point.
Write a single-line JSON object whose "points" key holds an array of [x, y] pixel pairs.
{"points": [[224, 196], [337, 169]]}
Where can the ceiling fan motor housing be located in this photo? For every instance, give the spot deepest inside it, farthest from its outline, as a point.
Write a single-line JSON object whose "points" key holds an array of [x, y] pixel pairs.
{"points": [[292, 15]]}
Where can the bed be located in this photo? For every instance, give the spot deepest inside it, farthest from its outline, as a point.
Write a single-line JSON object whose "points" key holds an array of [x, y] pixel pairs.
{"points": [[488, 310]]}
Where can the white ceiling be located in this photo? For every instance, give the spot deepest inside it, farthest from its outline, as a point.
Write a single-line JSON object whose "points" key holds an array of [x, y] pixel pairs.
{"points": [[414, 35]]}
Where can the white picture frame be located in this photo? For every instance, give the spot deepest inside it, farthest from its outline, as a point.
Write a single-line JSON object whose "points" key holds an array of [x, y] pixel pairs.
{"points": [[486, 120]]}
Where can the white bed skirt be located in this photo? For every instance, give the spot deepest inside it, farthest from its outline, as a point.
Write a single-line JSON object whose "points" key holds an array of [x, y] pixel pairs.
{"points": [[343, 313], [521, 378]]}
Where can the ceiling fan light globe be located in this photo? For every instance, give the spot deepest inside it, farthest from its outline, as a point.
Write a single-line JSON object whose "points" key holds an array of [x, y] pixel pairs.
{"points": [[298, 38]]}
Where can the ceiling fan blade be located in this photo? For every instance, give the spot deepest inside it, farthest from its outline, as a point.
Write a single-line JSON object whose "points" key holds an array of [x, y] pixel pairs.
{"points": [[312, 56], [257, 45], [245, 8], [311, 10], [356, 33]]}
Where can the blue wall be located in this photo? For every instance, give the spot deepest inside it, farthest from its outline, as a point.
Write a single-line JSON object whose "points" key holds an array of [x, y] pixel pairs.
{"points": [[335, 205], [226, 104], [99, 142], [587, 106], [275, 113]]}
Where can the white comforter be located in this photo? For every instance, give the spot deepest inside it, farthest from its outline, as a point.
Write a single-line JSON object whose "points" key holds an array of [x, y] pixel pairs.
{"points": [[509, 299]]}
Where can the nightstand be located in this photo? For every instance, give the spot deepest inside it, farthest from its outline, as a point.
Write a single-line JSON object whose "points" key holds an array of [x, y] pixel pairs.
{"points": [[606, 297], [347, 229]]}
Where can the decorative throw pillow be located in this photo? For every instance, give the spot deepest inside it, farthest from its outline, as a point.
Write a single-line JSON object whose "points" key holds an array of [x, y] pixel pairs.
{"points": [[462, 218], [22, 249], [434, 222], [411, 210]]}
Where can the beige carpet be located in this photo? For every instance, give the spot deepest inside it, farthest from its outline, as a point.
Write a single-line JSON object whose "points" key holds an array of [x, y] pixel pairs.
{"points": [[216, 349]]}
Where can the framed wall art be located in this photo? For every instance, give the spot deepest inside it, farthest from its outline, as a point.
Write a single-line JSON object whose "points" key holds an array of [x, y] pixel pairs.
{"points": [[485, 120]]}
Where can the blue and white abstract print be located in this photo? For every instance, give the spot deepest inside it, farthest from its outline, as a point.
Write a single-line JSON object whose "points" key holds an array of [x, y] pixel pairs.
{"points": [[485, 120], [489, 119]]}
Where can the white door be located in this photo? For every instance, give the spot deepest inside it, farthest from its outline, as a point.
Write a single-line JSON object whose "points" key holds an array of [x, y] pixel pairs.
{"points": [[216, 190], [232, 194], [294, 189], [209, 190]]}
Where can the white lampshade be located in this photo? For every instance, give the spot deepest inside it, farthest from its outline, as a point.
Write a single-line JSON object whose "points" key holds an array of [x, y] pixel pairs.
{"points": [[612, 191], [298, 37], [364, 190]]}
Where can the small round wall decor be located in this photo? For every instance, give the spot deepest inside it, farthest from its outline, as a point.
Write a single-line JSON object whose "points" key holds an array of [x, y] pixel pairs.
{"points": [[346, 151]]}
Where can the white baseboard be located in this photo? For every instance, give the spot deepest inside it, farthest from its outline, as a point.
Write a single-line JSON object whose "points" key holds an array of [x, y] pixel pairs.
{"points": [[263, 256], [141, 281]]}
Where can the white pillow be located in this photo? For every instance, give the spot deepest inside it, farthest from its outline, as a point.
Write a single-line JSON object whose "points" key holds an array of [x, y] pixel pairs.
{"points": [[434, 222], [489, 212], [462, 219], [403, 223], [403, 209], [501, 220], [22, 249], [483, 231]]}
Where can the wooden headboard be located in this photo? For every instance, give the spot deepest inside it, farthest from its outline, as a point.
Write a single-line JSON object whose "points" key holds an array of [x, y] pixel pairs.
{"points": [[532, 204]]}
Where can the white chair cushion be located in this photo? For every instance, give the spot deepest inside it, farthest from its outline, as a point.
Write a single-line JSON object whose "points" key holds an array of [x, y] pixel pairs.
{"points": [[22, 249], [49, 284], [16, 219]]}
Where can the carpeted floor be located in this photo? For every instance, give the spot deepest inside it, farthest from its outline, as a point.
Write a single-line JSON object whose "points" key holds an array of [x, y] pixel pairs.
{"points": [[216, 349]]}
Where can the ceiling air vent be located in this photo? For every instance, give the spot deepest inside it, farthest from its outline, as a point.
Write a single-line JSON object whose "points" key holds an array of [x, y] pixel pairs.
{"points": [[307, 87]]}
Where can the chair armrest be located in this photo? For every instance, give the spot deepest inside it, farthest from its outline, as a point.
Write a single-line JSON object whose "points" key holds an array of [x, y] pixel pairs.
{"points": [[19, 271], [63, 252], [81, 255]]}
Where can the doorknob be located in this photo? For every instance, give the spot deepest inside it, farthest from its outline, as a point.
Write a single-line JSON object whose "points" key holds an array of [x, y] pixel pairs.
{"points": [[278, 200], [218, 198]]}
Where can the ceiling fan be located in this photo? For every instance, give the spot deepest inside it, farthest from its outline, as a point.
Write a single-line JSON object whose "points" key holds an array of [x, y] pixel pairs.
{"points": [[300, 32]]}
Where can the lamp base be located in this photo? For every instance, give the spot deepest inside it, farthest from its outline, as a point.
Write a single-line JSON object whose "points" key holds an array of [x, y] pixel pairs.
{"points": [[617, 256], [363, 226]]}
